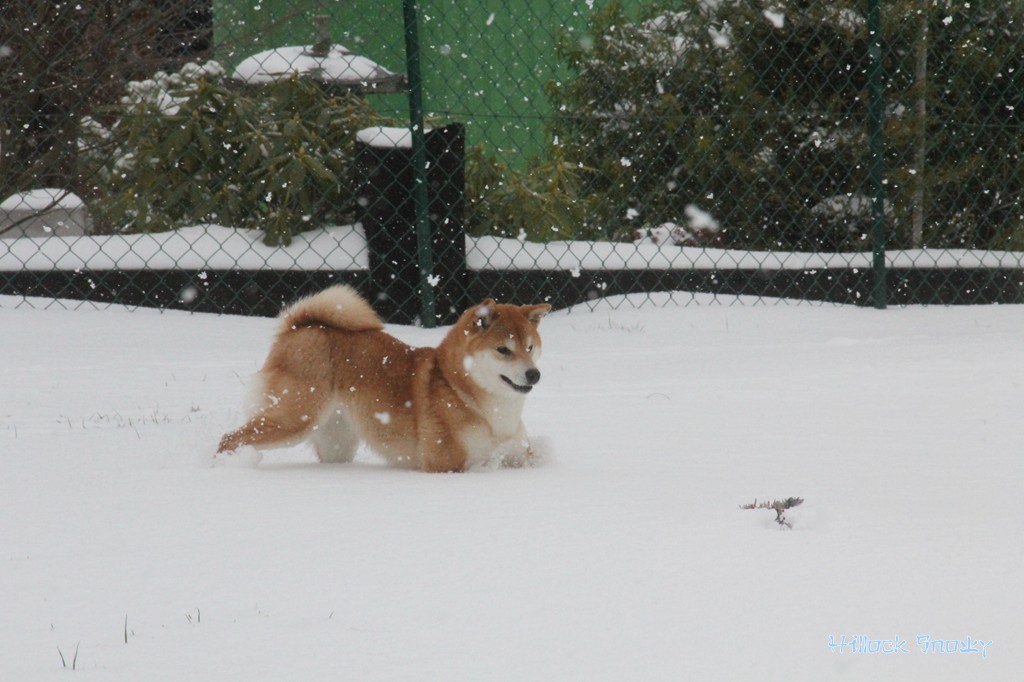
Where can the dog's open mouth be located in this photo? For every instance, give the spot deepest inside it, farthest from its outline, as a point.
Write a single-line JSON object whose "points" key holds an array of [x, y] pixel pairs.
{"points": [[515, 386]]}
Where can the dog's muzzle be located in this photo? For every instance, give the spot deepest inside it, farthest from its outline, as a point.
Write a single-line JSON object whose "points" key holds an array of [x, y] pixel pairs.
{"points": [[532, 377]]}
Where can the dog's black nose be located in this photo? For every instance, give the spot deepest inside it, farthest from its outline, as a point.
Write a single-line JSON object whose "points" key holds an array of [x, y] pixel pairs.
{"points": [[532, 376]]}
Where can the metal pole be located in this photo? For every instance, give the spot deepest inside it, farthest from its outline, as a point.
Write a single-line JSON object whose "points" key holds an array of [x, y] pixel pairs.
{"points": [[419, 161], [920, 155], [876, 121]]}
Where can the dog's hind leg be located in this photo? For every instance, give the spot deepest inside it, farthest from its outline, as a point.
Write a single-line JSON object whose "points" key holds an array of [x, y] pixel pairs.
{"points": [[286, 418], [267, 430], [334, 438]]}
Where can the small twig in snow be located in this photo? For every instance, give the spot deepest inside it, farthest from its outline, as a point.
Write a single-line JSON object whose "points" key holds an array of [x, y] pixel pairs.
{"points": [[74, 659], [779, 506]]}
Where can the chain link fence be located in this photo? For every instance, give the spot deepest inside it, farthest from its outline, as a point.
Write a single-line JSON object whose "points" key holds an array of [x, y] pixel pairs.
{"points": [[232, 155]]}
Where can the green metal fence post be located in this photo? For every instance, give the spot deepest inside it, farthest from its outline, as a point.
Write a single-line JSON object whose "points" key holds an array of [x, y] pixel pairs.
{"points": [[876, 120], [419, 160]]}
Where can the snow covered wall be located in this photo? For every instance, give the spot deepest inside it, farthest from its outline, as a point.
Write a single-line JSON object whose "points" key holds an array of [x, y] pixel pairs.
{"points": [[219, 269]]}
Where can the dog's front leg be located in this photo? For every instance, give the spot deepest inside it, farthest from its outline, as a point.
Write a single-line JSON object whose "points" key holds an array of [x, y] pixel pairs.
{"points": [[516, 452], [443, 454]]}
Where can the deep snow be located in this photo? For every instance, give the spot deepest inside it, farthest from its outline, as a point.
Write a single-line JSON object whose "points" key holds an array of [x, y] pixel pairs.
{"points": [[624, 556]]}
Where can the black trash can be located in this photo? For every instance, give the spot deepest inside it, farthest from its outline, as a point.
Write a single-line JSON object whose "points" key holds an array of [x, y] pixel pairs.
{"points": [[384, 193]]}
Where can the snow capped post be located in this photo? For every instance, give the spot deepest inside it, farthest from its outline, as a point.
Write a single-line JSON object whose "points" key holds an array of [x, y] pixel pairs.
{"points": [[385, 185]]}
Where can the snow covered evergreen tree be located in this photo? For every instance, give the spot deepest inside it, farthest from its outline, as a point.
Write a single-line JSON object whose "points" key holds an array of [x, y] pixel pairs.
{"points": [[756, 111], [956, 121]]}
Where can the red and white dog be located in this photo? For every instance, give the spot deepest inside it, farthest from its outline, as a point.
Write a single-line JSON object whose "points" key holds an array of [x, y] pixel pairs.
{"points": [[334, 377]]}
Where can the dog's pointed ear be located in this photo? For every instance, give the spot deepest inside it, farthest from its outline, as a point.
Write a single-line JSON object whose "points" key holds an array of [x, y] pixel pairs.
{"points": [[534, 313], [485, 313]]}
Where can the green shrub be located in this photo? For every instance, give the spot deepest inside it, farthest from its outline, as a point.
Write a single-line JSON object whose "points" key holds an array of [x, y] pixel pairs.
{"points": [[542, 203], [755, 111], [191, 147], [713, 106]]}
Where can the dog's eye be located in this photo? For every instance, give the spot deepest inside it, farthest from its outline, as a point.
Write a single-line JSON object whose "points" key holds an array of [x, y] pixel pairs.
{"points": [[529, 349], [504, 350]]}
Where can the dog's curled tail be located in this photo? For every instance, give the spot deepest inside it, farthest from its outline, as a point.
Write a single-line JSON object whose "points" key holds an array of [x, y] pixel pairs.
{"points": [[340, 307]]}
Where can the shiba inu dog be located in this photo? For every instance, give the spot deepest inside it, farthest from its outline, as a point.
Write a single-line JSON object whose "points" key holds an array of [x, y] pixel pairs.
{"points": [[334, 377]]}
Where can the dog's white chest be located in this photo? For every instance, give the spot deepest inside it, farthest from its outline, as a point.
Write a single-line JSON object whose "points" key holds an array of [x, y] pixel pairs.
{"points": [[503, 439]]}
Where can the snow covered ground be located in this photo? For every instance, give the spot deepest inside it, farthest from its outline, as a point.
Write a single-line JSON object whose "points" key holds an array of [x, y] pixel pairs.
{"points": [[624, 556]]}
